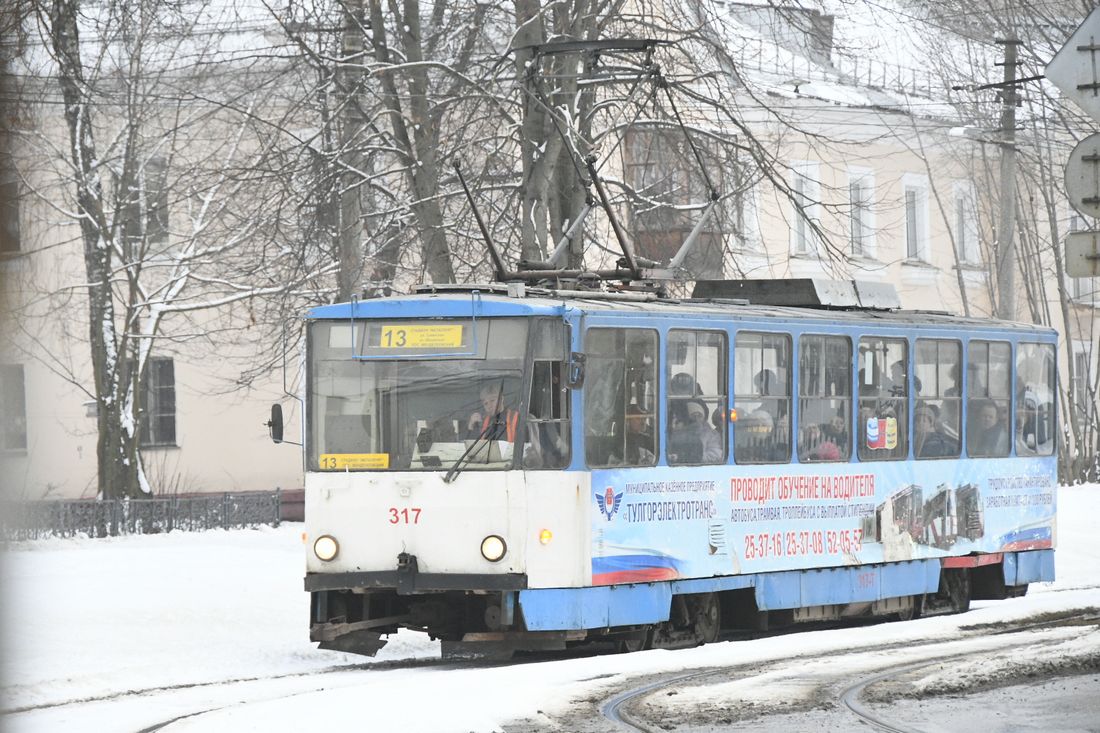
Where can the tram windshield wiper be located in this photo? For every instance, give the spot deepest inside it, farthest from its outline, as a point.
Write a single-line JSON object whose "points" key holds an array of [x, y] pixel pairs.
{"points": [[452, 474]]}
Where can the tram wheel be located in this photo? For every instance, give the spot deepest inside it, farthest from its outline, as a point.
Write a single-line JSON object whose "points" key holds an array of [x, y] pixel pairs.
{"points": [[913, 610], [636, 643], [706, 616], [957, 584]]}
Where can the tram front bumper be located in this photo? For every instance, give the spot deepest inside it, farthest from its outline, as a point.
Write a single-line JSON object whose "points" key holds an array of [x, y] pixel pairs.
{"points": [[407, 579]]}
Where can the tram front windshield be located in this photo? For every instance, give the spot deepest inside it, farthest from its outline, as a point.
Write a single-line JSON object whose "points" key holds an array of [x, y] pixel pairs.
{"points": [[402, 395]]}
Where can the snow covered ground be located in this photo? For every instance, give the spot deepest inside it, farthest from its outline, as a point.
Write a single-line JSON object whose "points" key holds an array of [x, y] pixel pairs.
{"points": [[173, 616]]}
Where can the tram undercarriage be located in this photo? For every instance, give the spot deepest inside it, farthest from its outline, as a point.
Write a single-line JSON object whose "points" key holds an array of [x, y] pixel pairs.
{"points": [[490, 624]]}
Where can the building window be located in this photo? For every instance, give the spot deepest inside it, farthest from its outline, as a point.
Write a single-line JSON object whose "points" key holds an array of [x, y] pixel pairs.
{"points": [[13, 402], [145, 208], [9, 216], [912, 241], [859, 217], [670, 191], [158, 404], [966, 225], [915, 202], [804, 207], [1083, 401]]}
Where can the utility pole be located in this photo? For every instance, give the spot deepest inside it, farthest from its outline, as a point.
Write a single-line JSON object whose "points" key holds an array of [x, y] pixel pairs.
{"points": [[1006, 227]]}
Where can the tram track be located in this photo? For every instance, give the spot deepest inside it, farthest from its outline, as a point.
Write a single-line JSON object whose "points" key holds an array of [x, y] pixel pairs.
{"points": [[623, 709], [153, 690]]}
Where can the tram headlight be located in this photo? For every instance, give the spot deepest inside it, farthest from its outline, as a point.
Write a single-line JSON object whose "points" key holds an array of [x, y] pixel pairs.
{"points": [[545, 536], [326, 547], [493, 548]]}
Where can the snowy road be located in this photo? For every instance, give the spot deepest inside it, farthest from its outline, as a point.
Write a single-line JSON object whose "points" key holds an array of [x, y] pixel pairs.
{"points": [[209, 631]]}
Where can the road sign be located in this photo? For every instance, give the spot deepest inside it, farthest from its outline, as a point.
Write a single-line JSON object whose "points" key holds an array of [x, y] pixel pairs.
{"points": [[1083, 176], [1083, 254], [1075, 69]]}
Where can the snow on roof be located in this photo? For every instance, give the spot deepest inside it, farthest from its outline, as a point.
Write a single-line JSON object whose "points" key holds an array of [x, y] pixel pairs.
{"points": [[870, 54]]}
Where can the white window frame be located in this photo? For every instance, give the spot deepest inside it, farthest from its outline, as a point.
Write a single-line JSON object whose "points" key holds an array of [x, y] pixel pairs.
{"points": [[917, 229], [750, 241], [964, 223], [806, 185], [1082, 382], [151, 435], [865, 177]]}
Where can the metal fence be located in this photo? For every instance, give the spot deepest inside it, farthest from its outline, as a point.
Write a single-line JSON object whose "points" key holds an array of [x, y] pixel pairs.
{"points": [[28, 520]]}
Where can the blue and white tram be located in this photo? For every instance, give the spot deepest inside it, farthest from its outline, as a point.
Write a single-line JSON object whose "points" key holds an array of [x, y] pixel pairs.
{"points": [[528, 470]]}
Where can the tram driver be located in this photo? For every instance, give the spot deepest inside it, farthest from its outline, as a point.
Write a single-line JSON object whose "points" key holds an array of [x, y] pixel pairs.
{"points": [[494, 421]]}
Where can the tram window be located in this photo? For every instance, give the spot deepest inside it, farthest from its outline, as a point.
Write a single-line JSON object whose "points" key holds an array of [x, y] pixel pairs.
{"points": [[696, 397], [620, 394], [988, 376], [883, 399], [762, 398], [397, 414], [1034, 400], [825, 398], [936, 432], [546, 438]]}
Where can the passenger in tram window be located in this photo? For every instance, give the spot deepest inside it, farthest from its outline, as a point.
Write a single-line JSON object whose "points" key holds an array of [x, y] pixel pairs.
{"points": [[898, 386], [779, 448], [836, 430], [809, 440], [929, 441], [766, 382], [640, 445], [495, 421], [991, 435], [692, 439], [955, 390], [683, 385], [819, 443], [754, 437]]}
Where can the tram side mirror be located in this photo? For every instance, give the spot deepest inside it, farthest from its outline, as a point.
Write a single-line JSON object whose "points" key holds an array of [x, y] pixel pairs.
{"points": [[574, 379], [275, 424]]}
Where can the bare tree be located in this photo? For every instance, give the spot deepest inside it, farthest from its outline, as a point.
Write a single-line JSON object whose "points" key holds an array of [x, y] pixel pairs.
{"points": [[1048, 128], [167, 184]]}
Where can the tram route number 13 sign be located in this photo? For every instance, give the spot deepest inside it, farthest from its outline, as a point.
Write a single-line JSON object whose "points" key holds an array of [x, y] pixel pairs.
{"points": [[419, 337]]}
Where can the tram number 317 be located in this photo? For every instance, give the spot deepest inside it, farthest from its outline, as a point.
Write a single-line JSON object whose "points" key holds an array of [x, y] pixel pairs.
{"points": [[405, 516]]}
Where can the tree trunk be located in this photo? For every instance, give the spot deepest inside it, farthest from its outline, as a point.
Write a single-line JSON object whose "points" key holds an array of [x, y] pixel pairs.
{"points": [[116, 448], [418, 149]]}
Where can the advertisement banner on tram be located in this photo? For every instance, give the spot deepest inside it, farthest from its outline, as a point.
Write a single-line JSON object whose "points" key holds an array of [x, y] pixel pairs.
{"points": [[664, 524]]}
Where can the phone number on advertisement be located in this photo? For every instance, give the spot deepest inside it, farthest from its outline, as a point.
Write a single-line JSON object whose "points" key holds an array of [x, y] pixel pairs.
{"points": [[806, 542]]}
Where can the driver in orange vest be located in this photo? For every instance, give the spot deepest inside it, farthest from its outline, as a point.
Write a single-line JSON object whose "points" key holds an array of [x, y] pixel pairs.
{"points": [[494, 421]]}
